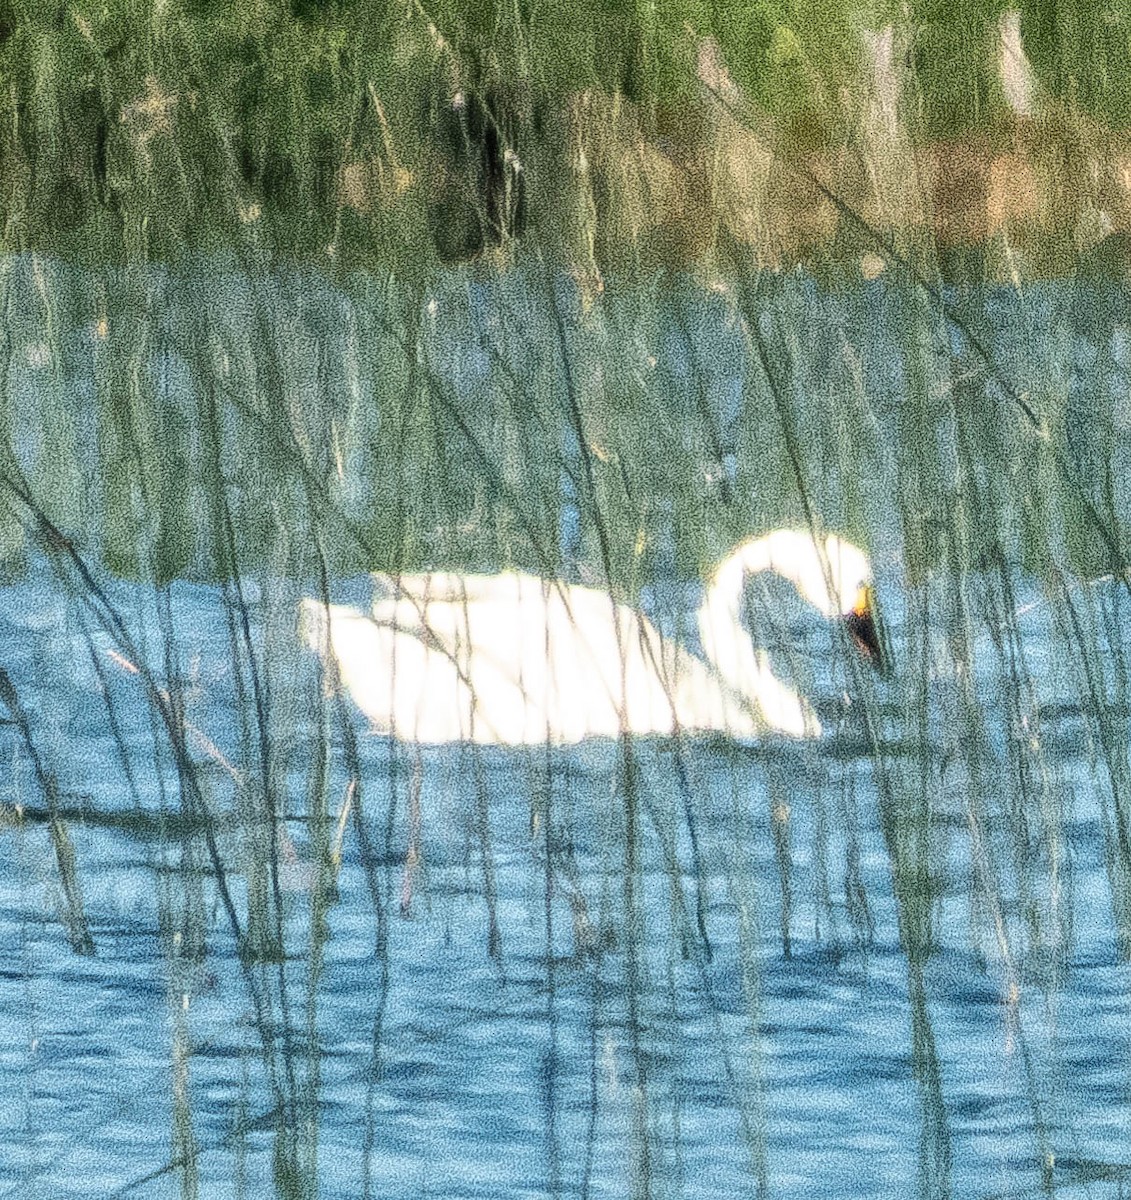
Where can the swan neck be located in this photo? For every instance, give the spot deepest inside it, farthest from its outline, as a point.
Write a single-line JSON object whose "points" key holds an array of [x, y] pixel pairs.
{"points": [[725, 642]]}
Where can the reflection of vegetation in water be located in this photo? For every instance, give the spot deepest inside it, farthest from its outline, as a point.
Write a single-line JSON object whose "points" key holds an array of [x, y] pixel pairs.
{"points": [[263, 430]]}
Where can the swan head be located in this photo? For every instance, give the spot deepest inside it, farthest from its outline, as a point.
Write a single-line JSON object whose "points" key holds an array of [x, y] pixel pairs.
{"points": [[830, 573]]}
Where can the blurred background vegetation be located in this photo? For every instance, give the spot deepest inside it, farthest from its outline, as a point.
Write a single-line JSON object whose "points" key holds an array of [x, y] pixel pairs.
{"points": [[271, 244], [625, 132]]}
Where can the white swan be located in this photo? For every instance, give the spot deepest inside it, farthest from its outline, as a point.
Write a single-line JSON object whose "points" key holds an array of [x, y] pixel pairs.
{"points": [[513, 659]]}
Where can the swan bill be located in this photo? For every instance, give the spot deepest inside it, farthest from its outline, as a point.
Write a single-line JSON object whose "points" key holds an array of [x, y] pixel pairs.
{"points": [[864, 630]]}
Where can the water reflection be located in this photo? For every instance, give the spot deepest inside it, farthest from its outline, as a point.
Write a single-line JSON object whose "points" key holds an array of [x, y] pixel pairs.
{"points": [[660, 966]]}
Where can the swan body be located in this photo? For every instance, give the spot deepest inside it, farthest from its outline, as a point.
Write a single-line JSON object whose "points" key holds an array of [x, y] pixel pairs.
{"points": [[514, 659]]}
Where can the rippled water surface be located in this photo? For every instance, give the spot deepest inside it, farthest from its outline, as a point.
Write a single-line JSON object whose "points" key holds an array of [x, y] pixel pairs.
{"points": [[748, 1019], [891, 961]]}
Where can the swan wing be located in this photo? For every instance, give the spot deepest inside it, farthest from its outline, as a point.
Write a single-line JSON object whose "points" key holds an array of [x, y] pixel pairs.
{"points": [[400, 684], [543, 660], [583, 654], [456, 588], [494, 646]]}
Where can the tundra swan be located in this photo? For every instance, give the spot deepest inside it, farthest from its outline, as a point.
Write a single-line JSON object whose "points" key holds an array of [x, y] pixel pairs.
{"points": [[514, 659]]}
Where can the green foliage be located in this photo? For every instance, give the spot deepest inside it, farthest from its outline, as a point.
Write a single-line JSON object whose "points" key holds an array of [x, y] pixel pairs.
{"points": [[325, 129]]}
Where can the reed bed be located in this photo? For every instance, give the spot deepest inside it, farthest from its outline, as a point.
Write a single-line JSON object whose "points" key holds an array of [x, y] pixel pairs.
{"points": [[245, 366]]}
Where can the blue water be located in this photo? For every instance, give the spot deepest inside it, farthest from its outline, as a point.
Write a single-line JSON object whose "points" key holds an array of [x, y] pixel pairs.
{"points": [[582, 1059], [756, 1014]]}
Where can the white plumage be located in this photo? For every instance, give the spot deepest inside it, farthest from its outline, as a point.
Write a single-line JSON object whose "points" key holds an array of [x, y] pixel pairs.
{"points": [[514, 659]]}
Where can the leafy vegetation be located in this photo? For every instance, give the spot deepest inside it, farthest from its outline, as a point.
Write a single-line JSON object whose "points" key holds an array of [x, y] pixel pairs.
{"points": [[372, 132]]}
